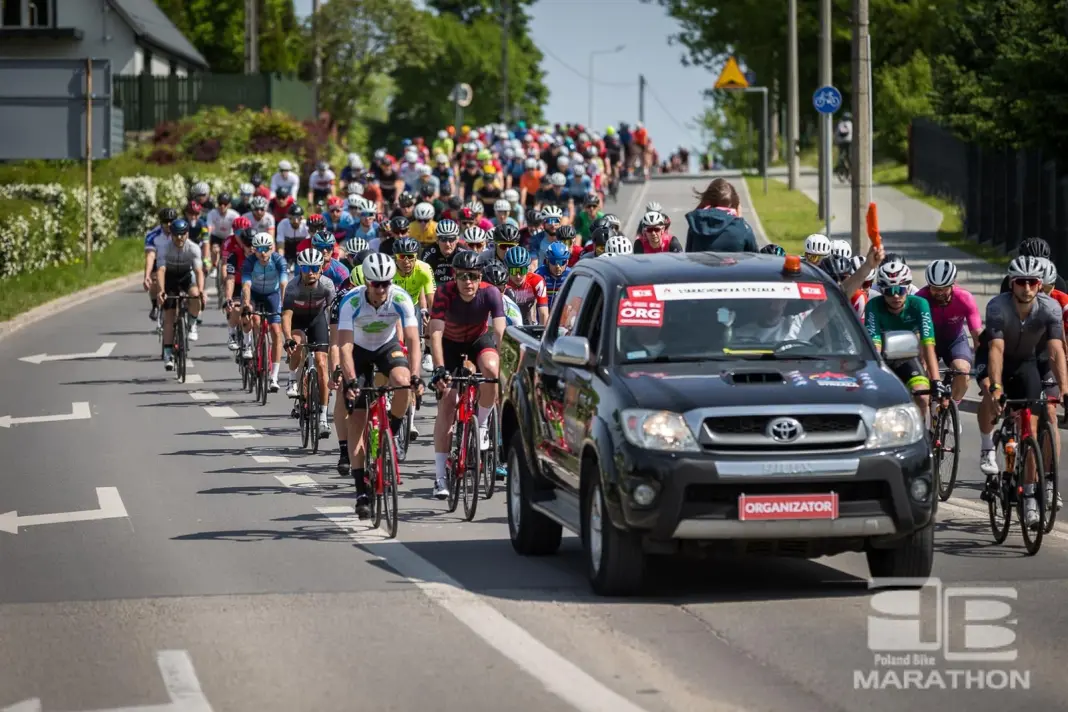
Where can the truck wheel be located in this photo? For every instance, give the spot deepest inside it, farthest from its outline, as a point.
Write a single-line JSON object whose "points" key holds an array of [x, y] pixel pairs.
{"points": [[615, 562], [532, 533], [913, 556]]}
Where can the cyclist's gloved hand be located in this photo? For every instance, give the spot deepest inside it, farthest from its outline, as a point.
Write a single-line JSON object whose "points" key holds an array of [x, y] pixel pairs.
{"points": [[290, 344], [941, 390], [416, 381], [440, 374]]}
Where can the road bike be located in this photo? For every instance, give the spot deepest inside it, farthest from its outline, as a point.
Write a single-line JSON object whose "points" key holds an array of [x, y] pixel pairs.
{"points": [[309, 408], [259, 366], [180, 336], [491, 457], [462, 468], [945, 444], [380, 449]]}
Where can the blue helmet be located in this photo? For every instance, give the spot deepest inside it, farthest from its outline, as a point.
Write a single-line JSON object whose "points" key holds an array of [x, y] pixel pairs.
{"points": [[557, 254], [324, 241], [179, 227], [517, 257]]}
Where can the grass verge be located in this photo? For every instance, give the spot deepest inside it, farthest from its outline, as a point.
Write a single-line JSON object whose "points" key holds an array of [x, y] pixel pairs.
{"points": [[788, 216], [26, 291], [951, 231]]}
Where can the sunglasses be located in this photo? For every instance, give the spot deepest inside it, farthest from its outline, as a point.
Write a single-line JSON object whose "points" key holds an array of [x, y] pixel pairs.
{"points": [[263, 250], [468, 276], [308, 269], [367, 214], [507, 245], [896, 290], [380, 285], [551, 221], [467, 222], [1027, 281], [423, 220], [516, 271], [404, 257], [557, 263], [335, 210], [448, 239]]}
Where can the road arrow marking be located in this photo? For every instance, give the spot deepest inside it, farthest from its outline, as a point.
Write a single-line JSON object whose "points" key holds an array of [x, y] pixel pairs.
{"points": [[179, 677], [103, 352], [111, 507], [79, 411]]}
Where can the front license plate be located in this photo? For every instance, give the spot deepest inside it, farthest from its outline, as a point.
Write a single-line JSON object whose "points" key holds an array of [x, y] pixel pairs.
{"points": [[788, 506]]}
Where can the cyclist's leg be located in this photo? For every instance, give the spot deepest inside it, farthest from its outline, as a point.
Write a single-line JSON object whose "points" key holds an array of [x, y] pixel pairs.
{"points": [[986, 413], [392, 361], [1025, 381], [487, 361], [453, 353], [357, 421], [215, 250], [958, 356], [275, 323], [1053, 393], [913, 375], [172, 287], [295, 360], [318, 332], [193, 305]]}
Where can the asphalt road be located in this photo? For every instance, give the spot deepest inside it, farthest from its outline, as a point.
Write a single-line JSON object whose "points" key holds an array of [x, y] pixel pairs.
{"points": [[237, 582]]}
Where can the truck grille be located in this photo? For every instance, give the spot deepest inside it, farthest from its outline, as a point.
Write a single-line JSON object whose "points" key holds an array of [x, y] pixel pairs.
{"points": [[750, 433]]}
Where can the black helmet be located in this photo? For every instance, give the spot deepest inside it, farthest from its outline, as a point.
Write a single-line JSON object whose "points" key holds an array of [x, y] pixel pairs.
{"points": [[591, 200], [1034, 247], [295, 211], [506, 233], [773, 249], [282, 193], [400, 224], [223, 199], [256, 179], [406, 199], [893, 257], [465, 259], [600, 235], [360, 256], [167, 215], [495, 273], [179, 227], [426, 190], [534, 218], [837, 266], [455, 202], [566, 232], [599, 223], [406, 246]]}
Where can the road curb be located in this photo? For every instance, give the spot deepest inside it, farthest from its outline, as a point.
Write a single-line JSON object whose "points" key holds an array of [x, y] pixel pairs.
{"points": [[753, 218], [71, 300]]}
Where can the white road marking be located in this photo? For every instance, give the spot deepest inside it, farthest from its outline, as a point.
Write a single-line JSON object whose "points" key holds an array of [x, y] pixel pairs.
{"points": [[965, 507], [221, 411], [193, 378], [558, 674], [269, 459], [110, 507], [203, 396], [301, 482], [242, 431], [79, 411], [103, 352]]}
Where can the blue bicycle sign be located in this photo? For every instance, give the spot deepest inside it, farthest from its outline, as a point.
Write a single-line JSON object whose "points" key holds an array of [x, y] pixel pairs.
{"points": [[827, 100]]}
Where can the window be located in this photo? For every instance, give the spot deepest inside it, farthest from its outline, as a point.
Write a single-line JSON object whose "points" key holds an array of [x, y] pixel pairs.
{"points": [[565, 316], [40, 14], [27, 13], [11, 14], [592, 317]]}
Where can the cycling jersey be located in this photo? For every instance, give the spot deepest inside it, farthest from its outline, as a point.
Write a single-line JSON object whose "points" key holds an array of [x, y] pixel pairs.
{"points": [[425, 233], [263, 224], [512, 315], [915, 316], [1062, 299], [221, 224], [368, 233], [343, 228], [197, 230], [859, 300], [179, 260], [1023, 339], [374, 327], [552, 284], [668, 243], [336, 272], [440, 264], [419, 281], [233, 256], [584, 223], [150, 238], [466, 321], [308, 300], [287, 233], [279, 209], [958, 317], [529, 294], [265, 278]]}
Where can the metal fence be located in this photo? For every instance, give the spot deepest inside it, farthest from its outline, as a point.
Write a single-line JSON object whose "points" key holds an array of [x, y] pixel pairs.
{"points": [[1006, 195], [148, 101]]}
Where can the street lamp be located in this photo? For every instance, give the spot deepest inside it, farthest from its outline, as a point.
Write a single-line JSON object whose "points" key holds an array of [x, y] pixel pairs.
{"points": [[593, 54]]}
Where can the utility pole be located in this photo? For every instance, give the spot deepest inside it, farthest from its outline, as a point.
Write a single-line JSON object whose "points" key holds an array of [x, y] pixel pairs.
{"points": [[505, 24], [826, 79], [641, 98], [861, 148], [792, 108], [318, 58], [252, 38]]}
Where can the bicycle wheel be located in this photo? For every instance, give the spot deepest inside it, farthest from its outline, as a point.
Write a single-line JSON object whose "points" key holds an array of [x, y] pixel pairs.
{"points": [[999, 504], [452, 475], [489, 457], [387, 500], [1047, 444], [265, 367], [948, 450], [302, 411], [472, 466], [314, 407], [1029, 453], [180, 346]]}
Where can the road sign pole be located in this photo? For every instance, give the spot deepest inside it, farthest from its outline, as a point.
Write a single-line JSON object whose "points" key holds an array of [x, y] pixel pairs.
{"points": [[825, 169]]}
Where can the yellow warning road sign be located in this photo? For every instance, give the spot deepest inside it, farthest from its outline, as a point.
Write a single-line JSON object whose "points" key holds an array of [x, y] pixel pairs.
{"points": [[731, 77]]}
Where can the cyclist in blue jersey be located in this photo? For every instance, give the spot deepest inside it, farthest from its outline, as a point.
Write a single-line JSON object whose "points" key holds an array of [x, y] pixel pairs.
{"points": [[263, 282], [555, 270], [157, 235], [333, 268], [338, 221]]}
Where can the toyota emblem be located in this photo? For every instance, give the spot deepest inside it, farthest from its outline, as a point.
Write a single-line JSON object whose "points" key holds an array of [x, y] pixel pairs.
{"points": [[784, 430]]}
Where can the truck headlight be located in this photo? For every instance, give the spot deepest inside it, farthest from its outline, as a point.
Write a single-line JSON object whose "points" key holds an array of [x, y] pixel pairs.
{"points": [[658, 430], [895, 426]]}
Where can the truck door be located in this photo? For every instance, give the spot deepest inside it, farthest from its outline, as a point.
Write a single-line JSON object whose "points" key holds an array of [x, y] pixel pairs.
{"points": [[580, 396]]}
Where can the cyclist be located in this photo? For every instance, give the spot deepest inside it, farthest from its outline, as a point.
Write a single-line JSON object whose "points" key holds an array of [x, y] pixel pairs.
{"points": [[350, 248], [371, 321], [502, 210], [554, 271], [236, 249], [458, 331], [424, 228], [1035, 247], [1019, 326], [280, 204], [398, 228], [290, 232], [505, 237], [601, 236], [551, 219], [817, 247], [566, 236], [333, 267], [843, 138], [153, 241], [338, 221], [863, 295], [897, 310], [842, 248], [591, 213], [413, 275], [439, 257], [220, 226], [496, 274], [263, 283], [525, 287], [305, 319], [321, 183], [772, 249], [244, 195], [262, 221], [179, 268], [476, 238], [955, 316], [367, 228], [356, 251], [892, 257], [653, 228]]}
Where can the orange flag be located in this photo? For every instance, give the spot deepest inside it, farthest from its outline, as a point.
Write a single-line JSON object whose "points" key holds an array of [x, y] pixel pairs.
{"points": [[873, 225]]}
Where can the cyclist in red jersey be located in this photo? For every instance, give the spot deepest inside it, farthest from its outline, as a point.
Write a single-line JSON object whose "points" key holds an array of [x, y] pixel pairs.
{"points": [[654, 237], [526, 288], [234, 251], [463, 308]]}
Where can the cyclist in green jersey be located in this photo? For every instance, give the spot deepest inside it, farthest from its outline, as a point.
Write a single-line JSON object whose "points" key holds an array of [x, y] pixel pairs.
{"points": [[590, 214], [897, 310], [417, 279]]}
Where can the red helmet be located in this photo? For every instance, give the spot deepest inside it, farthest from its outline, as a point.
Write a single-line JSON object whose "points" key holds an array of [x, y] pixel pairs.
{"points": [[241, 223], [192, 208]]}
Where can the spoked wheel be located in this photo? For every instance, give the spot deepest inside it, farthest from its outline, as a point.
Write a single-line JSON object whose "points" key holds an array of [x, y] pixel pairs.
{"points": [[404, 435], [314, 408], [947, 454], [489, 457], [453, 478], [242, 370], [387, 500], [373, 495], [470, 475], [1029, 457], [265, 363], [180, 342], [1047, 447], [302, 412], [258, 372], [999, 504]]}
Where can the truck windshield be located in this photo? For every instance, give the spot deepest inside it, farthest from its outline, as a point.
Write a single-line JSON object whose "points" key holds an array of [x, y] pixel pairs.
{"points": [[730, 320]]}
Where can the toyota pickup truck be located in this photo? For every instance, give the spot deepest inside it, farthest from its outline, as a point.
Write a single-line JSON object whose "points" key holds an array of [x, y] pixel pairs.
{"points": [[683, 403]]}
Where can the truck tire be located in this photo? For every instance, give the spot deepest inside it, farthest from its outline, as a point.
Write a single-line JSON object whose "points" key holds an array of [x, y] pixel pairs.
{"points": [[532, 533], [913, 557], [615, 561]]}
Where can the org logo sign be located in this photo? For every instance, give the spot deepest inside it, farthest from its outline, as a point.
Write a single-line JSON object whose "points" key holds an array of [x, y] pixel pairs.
{"points": [[923, 635]]}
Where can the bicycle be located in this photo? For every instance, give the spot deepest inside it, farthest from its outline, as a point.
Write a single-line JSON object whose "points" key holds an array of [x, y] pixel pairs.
{"points": [[465, 456], [180, 335], [259, 366], [491, 457], [386, 472], [946, 425], [1014, 442], [309, 408]]}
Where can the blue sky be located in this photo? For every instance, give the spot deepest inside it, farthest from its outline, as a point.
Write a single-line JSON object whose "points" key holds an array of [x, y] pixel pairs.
{"points": [[562, 30]]}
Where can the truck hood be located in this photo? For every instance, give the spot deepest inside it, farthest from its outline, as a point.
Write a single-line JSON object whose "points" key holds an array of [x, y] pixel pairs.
{"points": [[680, 387]]}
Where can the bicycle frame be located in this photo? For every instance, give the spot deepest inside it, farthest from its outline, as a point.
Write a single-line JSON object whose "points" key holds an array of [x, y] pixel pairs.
{"points": [[376, 431]]}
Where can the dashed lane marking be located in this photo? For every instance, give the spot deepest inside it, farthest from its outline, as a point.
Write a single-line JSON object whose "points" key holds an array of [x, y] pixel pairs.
{"points": [[242, 431], [203, 396], [221, 411]]}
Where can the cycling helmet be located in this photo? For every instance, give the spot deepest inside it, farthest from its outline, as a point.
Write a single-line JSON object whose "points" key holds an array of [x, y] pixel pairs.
{"points": [[618, 245], [258, 203], [551, 211], [167, 215], [838, 267], [223, 198], [199, 188], [517, 257], [506, 233], [192, 208], [1049, 273], [773, 249], [566, 232], [285, 165], [241, 223], [533, 218], [295, 211], [324, 240], [495, 274], [406, 199], [601, 235], [940, 273], [858, 262], [817, 245], [256, 179], [426, 192], [894, 273], [406, 246], [511, 195], [310, 257], [557, 254], [591, 201], [654, 207], [246, 189], [359, 257], [502, 206], [1023, 267], [465, 259], [179, 227], [423, 211], [475, 235], [379, 268], [613, 221], [262, 239], [842, 248], [652, 219], [893, 257], [477, 207], [316, 222], [353, 245], [448, 229], [400, 224], [282, 193], [558, 179], [1035, 247]]}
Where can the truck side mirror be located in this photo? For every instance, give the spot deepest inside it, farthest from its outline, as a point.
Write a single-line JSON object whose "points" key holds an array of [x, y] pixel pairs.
{"points": [[571, 351], [900, 345]]}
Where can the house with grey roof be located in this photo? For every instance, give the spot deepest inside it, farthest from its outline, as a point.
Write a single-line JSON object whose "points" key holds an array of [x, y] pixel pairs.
{"points": [[135, 35]]}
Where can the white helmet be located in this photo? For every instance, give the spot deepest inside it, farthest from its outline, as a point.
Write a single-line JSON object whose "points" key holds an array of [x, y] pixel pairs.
{"points": [[530, 164], [310, 257], [200, 188], [262, 239], [894, 273], [563, 162], [379, 268], [424, 169], [285, 165], [578, 171], [512, 196], [502, 206], [559, 179], [423, 211], [1049, 275], [355, 161], [1025, 267], [258, 202], [941, 273], [652, 218], [246, 189], [858, 262], [618, 245], [841, 248], [654, 207], [477, 207], [354, 244], [354, 201], [817, 245], [551, 211], [475, 234]]}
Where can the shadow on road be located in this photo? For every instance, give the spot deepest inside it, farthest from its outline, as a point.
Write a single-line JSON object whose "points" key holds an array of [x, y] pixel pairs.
{"points": [[972, 538]]}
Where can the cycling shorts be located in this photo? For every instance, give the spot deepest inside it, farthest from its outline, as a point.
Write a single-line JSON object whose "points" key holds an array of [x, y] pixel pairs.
{"points": [[175, 284], [316, 329], [453, 352], [270, 303], [1020, 380], [911, 373], [367, 362], [957, 350], [216, 240], [1045, 373]]}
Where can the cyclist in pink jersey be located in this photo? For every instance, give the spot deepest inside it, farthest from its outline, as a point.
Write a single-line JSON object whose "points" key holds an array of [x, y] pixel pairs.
{"points": [[955, 316]]}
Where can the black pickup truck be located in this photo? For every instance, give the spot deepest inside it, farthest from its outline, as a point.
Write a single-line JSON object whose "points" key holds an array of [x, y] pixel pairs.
{"points": [[682, 403]]}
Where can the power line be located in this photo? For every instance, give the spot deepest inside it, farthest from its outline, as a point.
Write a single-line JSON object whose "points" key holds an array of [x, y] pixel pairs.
{"points": [[582, 76]]}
